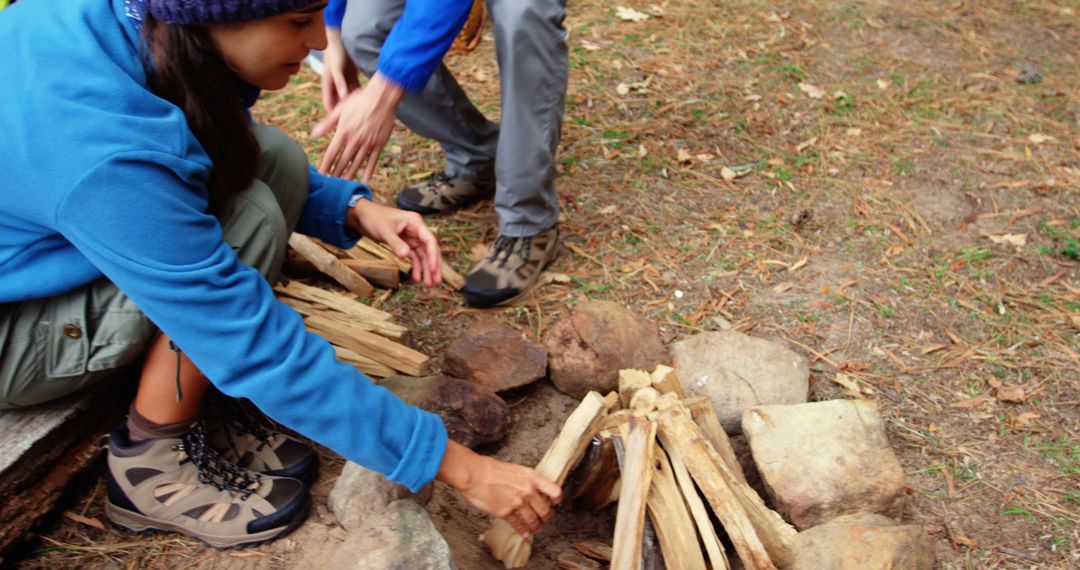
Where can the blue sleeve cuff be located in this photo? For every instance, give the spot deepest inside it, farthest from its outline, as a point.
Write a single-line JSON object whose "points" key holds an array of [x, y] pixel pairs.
{"points": [[334, 13], [419, 40], [429, 441], [327, 204]]}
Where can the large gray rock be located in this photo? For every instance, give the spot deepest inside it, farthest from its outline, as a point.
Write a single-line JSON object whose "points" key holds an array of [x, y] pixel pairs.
{"points": [[359, 493], [737, 371], [825, 459], [588, 347], [495, 356], [400, 537], [863, 541], [473, 416]]}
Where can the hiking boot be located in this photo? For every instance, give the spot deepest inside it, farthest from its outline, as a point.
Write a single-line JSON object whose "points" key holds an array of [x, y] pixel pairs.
{"points": [[512, 266], [243, 436], [181, 485], [440, 194]]}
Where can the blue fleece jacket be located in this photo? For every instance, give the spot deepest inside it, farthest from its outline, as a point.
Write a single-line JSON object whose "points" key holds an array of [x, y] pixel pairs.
{"points": [[100, 177], [417, 42]]}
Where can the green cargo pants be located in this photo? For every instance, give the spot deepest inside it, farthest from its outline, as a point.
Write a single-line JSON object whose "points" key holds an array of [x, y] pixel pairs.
{"points": [[54, 346]]}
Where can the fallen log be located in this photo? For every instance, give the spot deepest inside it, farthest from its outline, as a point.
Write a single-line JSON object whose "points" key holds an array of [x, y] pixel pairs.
{"points": [[508, 546]]}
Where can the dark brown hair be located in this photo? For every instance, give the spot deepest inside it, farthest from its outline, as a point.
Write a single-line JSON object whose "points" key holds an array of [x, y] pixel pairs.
{"points": [[186, 68]]}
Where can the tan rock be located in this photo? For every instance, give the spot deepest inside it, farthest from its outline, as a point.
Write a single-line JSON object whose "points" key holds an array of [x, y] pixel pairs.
{"points": [[737, 371], [863, 541], [473, 416], [494, 355], [825, 459], [588, 347]]}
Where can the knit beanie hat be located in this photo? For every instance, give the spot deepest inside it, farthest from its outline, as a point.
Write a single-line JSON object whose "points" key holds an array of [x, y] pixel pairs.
{"points": [[219, 11]]}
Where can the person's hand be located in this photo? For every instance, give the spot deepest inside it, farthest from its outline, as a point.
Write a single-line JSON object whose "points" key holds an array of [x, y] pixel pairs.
{"points": [[518, 495], [363, 121], [406, 234], [339, 76]]}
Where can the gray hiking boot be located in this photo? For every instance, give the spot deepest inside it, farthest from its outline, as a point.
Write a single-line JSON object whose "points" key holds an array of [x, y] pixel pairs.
{"points": [[243, 436], [181, 485], [512, 266], [440, 194]]}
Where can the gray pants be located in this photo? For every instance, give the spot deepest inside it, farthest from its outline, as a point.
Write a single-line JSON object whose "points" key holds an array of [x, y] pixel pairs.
{"points": [[54, 346], [530, 43]]}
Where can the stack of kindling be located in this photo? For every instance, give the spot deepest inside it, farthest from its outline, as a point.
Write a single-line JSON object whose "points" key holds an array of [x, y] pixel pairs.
{"points": [[675, 464]]}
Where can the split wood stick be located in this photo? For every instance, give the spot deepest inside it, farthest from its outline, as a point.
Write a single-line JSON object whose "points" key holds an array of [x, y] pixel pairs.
{"points": [[330, 265], [774, 532], [644, 401], [381, 328], [384, 274], [382, 350], [508, 546], [365, 364], [706, 531], [666, 381], [332, 300], [630, 381], [594, 549], [636, 475], [704, 414], [451, 277], [674, 526], [381, 251], [682, 434]]}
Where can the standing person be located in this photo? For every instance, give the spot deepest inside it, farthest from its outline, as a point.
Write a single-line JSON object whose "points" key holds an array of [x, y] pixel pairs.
{"points": [[143, 216], [400, 44]]}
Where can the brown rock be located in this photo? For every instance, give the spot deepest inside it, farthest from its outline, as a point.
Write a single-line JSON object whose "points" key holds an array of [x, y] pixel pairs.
{"points": [[588, 347], [825, 459], [494, 355], [863, 541], [473, 416]]}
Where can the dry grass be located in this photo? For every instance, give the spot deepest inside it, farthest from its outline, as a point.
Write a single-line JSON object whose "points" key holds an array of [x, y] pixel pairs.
{"points": [[913, 231]]}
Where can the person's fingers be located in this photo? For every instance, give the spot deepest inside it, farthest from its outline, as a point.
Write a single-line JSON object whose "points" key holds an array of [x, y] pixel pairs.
{"points": [[517, 524], [333, 153], [551, 490], [540, 506], [324, 126], [529, 517], [351, 156], [372, 162], [328, 92], [343, 84]]}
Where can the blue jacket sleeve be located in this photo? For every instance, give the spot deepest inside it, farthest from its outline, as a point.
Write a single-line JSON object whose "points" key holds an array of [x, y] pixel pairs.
{"points": [[334, 13], [419, 40], [224, 315], [324, 212]]}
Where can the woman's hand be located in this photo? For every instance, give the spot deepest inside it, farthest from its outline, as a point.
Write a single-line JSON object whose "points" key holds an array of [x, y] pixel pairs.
{"points": [[364, 121], [518, 495], [339, 76], [405, 233]]}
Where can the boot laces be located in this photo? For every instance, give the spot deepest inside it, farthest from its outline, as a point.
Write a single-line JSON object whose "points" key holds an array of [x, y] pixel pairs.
{"points": [[437, 179], [213, 469], [505, 245]]}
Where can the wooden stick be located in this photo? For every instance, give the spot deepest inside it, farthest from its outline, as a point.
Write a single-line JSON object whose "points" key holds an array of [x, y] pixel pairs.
{"points": [[630, 381], [682, 434], [328, 264], [674, 526], [381, 328], [508, 546], [381, 251], [665, 381], [636, 475], [371, 345], [332, 300], [365, 364], [698, 511], [704, 414], [385, 274]]}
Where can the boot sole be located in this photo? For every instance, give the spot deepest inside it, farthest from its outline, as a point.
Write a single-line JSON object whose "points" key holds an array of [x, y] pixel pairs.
{"points": [[403, 204], [135, 522]]}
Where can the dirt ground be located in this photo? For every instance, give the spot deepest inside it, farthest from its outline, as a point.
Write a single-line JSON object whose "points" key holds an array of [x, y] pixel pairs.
{"points": [[889, 187]]}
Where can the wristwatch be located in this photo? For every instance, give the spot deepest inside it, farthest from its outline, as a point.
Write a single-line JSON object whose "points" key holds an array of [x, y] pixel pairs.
{"points": [[355, 199]]}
